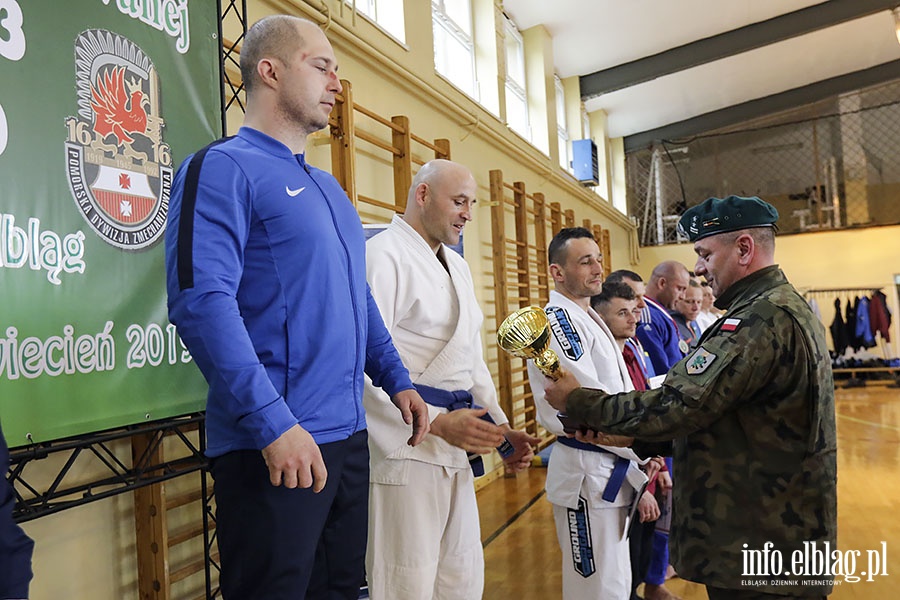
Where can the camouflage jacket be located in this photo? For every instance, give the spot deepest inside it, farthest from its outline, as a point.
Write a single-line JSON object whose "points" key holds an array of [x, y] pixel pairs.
{"points": [[751, 411]]}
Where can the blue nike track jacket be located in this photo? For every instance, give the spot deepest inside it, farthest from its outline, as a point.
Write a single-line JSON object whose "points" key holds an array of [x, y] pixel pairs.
{"points": [[266, 279]]}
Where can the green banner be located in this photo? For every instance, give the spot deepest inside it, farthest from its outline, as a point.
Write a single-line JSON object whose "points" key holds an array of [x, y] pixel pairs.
{"points": [[101, 100]]}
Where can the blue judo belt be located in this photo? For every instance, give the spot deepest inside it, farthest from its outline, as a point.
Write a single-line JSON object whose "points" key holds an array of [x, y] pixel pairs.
{"points": [[619, 470], [454, 401]]}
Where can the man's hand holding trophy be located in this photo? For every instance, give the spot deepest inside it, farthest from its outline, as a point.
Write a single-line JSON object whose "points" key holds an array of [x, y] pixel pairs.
{"points": [[526, 334]]}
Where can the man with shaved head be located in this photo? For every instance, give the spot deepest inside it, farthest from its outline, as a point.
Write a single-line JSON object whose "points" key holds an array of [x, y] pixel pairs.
{"points": [[265, 265], [657, 331], [424, 534]]}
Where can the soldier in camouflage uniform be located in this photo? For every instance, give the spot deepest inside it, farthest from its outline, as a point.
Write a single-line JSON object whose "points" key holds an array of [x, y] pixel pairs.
{"points": [[752, 415]]}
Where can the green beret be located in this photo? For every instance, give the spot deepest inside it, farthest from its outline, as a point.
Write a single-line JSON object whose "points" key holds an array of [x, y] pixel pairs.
{"points": [[717, 215]]}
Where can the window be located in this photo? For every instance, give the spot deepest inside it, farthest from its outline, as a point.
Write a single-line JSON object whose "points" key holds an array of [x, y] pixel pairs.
{"points": [[562, 132], [387, 14], [516, 98], [454, 47]]}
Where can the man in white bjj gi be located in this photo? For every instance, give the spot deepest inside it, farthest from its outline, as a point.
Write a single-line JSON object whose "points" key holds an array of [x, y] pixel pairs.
{"points": [[424, 534], [590, 486]]}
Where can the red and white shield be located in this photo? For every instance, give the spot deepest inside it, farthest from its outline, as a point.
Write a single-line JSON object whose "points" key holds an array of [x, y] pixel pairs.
{"points": [[125, 196]]}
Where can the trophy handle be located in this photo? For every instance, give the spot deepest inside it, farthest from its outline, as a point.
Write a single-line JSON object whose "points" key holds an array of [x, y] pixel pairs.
{"points": [[548, 363]]}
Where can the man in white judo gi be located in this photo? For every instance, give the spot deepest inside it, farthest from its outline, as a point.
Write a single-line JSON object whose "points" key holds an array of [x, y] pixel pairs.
{"points": [[590, 486], [424, 534]]}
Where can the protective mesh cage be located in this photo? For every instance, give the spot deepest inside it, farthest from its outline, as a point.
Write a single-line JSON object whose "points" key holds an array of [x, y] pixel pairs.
{"points": [[834, 164]]}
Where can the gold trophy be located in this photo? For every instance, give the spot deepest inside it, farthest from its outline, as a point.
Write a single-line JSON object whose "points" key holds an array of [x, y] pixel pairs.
{"points": [[526, 334]]}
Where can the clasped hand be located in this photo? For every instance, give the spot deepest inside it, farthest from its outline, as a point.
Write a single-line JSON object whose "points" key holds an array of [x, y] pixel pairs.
{"points": [[522, 441]]}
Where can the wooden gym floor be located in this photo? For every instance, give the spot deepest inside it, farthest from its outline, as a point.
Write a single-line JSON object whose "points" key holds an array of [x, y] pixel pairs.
{"points": [[523, 559]]}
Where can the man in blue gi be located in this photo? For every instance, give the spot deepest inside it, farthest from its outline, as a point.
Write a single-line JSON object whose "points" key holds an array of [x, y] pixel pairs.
{"points": [[657, 331], [265, 260]]}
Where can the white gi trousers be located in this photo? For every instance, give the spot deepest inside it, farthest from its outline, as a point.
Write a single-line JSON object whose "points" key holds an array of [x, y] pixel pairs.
{"points": [[611, 577], [402, 560], [599, 569], [596, 564]]}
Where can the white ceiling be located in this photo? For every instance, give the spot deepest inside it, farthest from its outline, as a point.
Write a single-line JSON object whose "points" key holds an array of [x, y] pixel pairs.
{"points": [[592, 35]]}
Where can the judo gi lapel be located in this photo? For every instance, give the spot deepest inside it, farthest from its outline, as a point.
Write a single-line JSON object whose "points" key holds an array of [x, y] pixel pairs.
{"points": [[576, 313], [458, 348]]}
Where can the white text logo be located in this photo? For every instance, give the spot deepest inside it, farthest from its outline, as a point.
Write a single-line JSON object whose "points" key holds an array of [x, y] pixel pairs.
{"points": [[170, 16]]}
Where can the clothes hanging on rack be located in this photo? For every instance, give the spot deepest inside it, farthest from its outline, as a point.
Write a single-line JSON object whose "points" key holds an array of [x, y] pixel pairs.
{"points": [[861, 315], [850, 324], [839, 330], [863, 329], [880, 315]]}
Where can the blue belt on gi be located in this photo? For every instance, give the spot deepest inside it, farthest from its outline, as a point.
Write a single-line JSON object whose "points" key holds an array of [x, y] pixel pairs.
{"points": [[619, 470], [454, 401]]}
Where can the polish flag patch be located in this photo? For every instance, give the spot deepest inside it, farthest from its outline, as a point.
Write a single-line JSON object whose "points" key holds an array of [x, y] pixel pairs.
{"points": [[730, 324]]}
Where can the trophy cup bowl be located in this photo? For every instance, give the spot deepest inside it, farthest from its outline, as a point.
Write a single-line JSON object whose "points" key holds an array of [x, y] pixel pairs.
{"points": [[526, 334]]}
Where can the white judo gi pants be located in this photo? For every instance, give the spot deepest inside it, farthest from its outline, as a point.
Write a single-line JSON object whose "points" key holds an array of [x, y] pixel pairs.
{"points": [[601, 570], [425, 538]]}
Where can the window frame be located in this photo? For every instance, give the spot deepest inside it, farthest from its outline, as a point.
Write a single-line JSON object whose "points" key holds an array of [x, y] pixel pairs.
{"points": [[441, 18], [562, 129], [513, 87], [369, 11]]}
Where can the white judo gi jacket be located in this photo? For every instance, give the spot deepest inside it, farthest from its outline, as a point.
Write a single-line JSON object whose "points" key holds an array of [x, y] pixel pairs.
{"points": [[595, 562], [588, 349], [435, 321]]}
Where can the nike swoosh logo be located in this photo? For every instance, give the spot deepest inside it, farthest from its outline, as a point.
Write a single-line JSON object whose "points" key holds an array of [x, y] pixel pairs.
{"points": [[293, 193]]}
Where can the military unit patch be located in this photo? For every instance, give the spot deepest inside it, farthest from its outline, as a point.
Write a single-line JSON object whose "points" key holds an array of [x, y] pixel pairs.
{"points": [[700, 361], [565, 333]]}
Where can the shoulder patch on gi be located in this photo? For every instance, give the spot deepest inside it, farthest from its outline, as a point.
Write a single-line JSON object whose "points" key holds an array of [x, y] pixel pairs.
{"points": [[700, 361], [565, 333], [730, 324]]}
